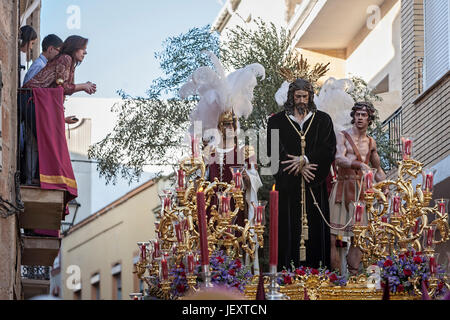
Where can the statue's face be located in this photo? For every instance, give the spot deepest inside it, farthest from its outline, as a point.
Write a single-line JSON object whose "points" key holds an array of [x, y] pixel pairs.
{"points": [[301, 98], [361, 118]]}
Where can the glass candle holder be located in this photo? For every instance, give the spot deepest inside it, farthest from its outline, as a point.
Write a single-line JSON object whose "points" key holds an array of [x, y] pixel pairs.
{"points": [[428, 176], [396, 204], [166, 200], [369, 177], [259, 212], [407, 146], [224, 204], [428, 238], [433, 263], [442, 205], [237, 172], [358, 209]]}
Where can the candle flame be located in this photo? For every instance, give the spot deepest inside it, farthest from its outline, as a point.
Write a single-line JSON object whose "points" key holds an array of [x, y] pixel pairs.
{"points": [[201, 189], [273, 187]]}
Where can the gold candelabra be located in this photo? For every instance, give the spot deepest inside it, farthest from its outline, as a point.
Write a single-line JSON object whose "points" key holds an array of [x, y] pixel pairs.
{"points": [[398, 217], [177, 231]]}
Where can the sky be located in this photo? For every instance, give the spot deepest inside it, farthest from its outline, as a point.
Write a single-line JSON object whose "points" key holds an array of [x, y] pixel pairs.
{"points": [[123, 36]]}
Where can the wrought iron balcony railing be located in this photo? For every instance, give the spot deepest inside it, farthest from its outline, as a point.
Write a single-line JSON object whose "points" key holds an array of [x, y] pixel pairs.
{"points": [[393, 127], [35, 272]]}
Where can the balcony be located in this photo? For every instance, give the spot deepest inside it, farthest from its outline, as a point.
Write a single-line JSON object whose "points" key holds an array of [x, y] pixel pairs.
{"points": [[393, 128], [35, 281]]}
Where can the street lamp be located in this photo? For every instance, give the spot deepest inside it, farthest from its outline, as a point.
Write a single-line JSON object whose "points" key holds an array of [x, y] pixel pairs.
{"points": [[73, 209]]}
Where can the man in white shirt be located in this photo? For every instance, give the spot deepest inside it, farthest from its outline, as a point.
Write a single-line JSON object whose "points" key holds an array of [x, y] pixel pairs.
{"points": [[50, 49]]}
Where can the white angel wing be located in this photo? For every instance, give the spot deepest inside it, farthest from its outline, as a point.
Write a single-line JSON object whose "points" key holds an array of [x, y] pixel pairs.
{"points": [[334, 100], [282, 94]]}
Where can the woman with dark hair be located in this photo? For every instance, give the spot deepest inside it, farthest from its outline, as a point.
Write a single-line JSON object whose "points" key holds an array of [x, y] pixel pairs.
{"points": [[27, 39], [61, 70]]}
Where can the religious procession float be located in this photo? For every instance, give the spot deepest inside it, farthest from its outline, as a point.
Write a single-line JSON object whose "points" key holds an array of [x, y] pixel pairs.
{"points": [[199, 244]]}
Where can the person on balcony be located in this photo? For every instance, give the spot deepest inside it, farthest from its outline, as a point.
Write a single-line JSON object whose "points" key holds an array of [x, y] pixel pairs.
{"points": [[354, 151], [51, 46], [61, 70], [27, 39]]}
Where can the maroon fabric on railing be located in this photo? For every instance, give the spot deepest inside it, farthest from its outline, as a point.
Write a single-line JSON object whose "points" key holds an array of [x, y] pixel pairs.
{"points": [[55, 167]]}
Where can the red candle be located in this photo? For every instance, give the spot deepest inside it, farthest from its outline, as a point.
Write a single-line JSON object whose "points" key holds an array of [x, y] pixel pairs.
{"points": [[416, 227], [143, 252], [396, 204], [433, 265], [441, 206], [368, 178], [156, 252], [194, 147], [238, 180], [358, 213], [225, 205], [273, 236], [384, 219], [180, 179], [259, 215], [430, 236], [179, 232], [164, 269], [190, 263], [407, 151], [201, 214], [167, 203], [429, 182]]}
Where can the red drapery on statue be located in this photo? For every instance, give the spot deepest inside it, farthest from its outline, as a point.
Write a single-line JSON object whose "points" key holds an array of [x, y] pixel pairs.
{"points": [[55, 167]]}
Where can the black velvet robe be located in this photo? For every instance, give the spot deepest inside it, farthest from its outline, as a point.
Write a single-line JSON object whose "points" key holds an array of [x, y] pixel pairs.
{"points": [[320, 149]]}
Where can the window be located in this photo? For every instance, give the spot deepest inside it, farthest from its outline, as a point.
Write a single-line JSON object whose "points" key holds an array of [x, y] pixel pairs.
{"points": [[437, 52], [117, 281], [95, 287]]}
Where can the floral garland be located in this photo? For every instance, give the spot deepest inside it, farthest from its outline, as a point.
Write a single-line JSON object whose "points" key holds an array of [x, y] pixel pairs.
{"points": [[398, 269], [288, 276]]}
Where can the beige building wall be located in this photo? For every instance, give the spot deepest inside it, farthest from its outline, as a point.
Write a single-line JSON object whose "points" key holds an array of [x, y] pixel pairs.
{"points": [[109, 237]]}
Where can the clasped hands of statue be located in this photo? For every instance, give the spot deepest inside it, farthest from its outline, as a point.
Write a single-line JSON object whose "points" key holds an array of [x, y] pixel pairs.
{"points": [[297, 164]]}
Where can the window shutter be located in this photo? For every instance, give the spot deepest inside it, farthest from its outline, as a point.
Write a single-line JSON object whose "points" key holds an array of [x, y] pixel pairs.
{"points": [[437, 51]]}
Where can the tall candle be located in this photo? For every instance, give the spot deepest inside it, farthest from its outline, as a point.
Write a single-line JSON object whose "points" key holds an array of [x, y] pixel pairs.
{"points": [[201, 214], [194, 147], [416, 227], [167, 203], [273, 236], [429, 182], [225, 205], [164, 269], [190, 263]]}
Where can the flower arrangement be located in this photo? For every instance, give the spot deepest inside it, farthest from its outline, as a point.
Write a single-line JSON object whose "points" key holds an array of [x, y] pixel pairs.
{"points": [[224, 270], [400, 268], [288, 276]]}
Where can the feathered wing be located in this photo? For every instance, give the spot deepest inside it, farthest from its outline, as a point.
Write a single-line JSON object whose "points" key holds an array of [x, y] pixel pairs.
{"points": [[241, 84], [282, 94], [334, 100]]}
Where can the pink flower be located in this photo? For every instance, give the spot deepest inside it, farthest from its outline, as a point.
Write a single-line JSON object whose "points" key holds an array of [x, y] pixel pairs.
{"points": [[314, 271], [232, 272], [238, 263], [407, 272], [333, 277], [417, 260], [400, 288], [300, 272], [219, 259], [287, 279]]}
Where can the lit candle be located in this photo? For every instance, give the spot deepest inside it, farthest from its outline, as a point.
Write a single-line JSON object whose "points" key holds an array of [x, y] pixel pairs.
{"points": [[179, 232], [396, 205], [180, 179], [273, 236], [164, 268], [259, 215], [368, 179], [429, 182], [433, 265], [201, 214], [358, 213], [407, 148]]}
